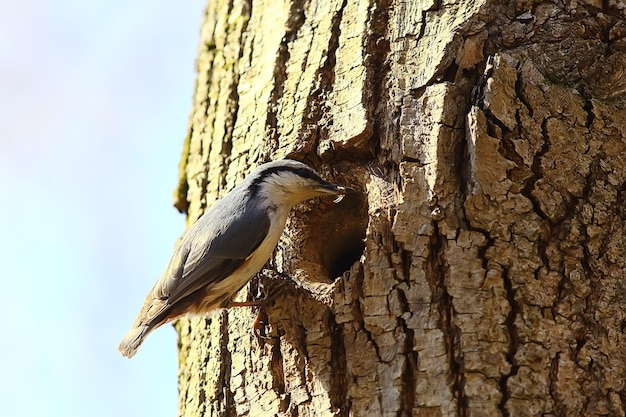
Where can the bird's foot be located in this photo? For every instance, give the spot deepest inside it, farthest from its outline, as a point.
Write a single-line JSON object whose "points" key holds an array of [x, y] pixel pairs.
{"points": [[276, 289], [274, 275]]}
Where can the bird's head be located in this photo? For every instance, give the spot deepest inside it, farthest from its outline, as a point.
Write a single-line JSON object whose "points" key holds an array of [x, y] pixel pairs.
{"points": [[291, 182]]}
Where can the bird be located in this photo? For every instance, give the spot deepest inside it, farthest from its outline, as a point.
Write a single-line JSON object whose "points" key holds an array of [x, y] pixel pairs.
{"points": [[227, 246]]}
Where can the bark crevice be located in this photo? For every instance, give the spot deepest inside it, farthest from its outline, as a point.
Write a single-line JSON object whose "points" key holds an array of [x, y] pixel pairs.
{"points": [[511, 328]]}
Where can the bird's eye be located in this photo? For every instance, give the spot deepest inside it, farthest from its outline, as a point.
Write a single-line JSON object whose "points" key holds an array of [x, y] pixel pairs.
{"points": [[305, 173]]}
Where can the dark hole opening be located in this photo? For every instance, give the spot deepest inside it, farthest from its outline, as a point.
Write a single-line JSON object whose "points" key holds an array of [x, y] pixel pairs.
{"points": [[343, 232]]}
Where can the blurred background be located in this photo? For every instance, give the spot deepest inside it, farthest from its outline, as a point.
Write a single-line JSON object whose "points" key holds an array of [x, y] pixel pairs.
{"points": [[94, 101]]}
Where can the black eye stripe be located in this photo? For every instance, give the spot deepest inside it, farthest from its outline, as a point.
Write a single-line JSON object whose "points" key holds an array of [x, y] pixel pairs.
{"points": [[307, 173]]}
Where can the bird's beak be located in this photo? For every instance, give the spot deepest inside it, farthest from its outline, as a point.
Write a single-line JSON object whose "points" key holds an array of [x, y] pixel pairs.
{"points": [[333, 189]]}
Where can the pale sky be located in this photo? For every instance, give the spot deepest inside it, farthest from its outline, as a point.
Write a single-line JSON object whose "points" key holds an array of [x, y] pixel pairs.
{"points": [[94, 102]]}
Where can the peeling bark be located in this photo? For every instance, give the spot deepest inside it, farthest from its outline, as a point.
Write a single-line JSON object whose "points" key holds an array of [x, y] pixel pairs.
{"points": [[478, 270]]}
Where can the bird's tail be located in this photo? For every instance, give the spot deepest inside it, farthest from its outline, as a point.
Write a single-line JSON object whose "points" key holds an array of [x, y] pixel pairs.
{"points": [[153, 314], [133, 339]]}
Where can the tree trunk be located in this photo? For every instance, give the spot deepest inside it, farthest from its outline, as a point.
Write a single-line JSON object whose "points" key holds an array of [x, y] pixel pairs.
{"points": [[479, 269]]}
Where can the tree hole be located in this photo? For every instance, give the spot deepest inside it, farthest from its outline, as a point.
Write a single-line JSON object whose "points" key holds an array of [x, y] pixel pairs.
{"points": [[341, 234]]}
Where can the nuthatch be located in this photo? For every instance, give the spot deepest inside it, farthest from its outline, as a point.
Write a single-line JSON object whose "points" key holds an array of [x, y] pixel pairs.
{"points": [[227, 246]]}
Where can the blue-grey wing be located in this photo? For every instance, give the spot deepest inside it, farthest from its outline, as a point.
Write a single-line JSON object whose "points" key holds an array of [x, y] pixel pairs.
{"points": [[211, 250]]}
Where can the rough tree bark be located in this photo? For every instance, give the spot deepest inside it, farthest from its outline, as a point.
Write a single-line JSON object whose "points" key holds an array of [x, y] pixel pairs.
{"points": [[479, 270]]}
